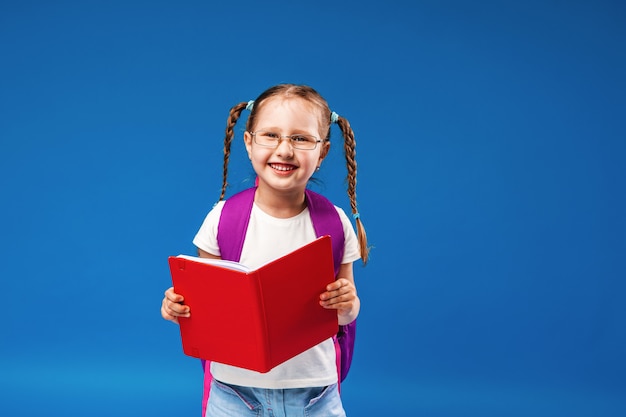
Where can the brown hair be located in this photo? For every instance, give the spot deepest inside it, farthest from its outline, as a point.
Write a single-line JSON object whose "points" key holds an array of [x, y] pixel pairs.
{"points": [[309, 94]]}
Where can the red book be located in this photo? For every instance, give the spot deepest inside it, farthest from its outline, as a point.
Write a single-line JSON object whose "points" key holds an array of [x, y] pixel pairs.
{"points": [[255, 319]]}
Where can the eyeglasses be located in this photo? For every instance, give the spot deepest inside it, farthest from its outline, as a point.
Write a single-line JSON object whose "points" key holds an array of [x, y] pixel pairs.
{"points": [[297, 141]]}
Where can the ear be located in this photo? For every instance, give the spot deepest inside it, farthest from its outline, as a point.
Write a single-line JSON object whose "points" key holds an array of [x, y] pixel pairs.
{"points": [[324, 151], [247, 138]]}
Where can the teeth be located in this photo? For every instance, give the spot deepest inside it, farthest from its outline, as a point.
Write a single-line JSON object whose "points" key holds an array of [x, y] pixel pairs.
{"points": [[282, 167]]}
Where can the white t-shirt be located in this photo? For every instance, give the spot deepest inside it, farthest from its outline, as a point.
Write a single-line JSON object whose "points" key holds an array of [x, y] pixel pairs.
{"points": [[269, 238]]}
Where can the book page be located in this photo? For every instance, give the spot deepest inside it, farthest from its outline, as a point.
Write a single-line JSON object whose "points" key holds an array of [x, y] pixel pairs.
{"points": [[218, 262]]}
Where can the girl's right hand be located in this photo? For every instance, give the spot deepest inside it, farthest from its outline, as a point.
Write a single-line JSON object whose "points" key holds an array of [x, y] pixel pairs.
{"points": [[172, 306]]}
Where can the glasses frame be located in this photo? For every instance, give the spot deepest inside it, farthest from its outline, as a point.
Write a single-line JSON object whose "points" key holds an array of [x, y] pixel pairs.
{"points": [[290, 137]]}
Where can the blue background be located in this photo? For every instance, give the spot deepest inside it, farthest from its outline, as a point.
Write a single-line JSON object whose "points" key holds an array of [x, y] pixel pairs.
{"points": [[491, 144]]}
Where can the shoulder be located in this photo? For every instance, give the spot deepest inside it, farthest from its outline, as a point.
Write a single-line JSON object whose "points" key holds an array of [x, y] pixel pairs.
{"points": [[216, 210], [341, 213], [345, 221], [351, 244], [206, 237]]}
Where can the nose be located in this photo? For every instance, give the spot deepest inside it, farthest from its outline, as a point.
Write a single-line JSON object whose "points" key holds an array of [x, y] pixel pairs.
{"points": [[284, 148]]}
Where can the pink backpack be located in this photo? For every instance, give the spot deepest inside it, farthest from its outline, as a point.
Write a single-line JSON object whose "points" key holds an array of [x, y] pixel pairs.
{"points": [[231, 233]]}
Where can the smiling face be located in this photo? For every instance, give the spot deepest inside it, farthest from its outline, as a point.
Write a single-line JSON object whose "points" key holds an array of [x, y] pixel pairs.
{"points": [[284, 169]]}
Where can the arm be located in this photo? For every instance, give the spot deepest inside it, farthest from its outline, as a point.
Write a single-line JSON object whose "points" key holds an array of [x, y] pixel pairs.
{"points": [[172, 306], [341, 295]]}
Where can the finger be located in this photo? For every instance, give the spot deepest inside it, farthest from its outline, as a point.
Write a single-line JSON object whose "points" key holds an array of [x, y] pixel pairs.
{"points": [[168, 316], [338, 284], [342, 306], [345, 290], [175, 309], [179, 310], [335, 285], [172, 296], [330, 299]]}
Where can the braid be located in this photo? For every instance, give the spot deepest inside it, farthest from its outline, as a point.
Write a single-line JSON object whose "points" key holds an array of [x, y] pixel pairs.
{"points": [[349, 146], [233, 116]]}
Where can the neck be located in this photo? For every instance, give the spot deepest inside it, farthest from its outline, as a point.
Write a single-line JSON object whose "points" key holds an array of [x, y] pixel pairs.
{"points": [[282, 205]]}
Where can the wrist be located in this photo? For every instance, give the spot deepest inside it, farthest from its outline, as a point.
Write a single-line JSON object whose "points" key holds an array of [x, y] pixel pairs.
{"points": [[348, 316]]}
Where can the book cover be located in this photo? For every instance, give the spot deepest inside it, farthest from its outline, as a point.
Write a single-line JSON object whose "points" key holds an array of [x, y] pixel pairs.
{"points": [[255, 319]]}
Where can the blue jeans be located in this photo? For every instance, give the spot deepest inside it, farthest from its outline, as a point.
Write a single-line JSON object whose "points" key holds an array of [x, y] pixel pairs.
{"points": [[235, 401]]}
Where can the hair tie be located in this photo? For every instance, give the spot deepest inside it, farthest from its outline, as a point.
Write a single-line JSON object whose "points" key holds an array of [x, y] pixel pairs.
{"points": [[250, 105], [334, 117], [356, 216]]}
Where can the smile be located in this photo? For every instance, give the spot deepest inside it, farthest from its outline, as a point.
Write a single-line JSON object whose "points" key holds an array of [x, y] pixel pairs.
{"points": [[282, 167]]}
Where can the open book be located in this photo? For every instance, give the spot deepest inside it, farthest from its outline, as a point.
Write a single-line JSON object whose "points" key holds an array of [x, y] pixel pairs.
{"points": [[255, 319]]}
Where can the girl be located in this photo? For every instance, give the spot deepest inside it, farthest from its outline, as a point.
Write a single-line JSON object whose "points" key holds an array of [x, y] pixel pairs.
{"points": [[287, 137]]}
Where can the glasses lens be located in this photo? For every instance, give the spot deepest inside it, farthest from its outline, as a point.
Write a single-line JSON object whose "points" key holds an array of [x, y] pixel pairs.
{"points": [[266, 138], [307, 142]]}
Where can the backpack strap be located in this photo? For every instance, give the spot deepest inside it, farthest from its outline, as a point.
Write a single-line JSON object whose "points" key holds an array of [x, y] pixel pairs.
{"points": [[326, 221], [231, 229]]}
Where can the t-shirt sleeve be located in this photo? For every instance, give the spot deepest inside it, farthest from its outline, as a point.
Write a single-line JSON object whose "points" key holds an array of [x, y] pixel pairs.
{"points": [[206, 238], [351, 244]]}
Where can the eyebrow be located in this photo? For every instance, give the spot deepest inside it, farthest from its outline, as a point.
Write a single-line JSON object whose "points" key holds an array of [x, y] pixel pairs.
{"points": [[276, 130]]}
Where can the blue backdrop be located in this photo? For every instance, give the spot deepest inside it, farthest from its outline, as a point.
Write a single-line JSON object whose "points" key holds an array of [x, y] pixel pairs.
{"points": [[491, 153]]}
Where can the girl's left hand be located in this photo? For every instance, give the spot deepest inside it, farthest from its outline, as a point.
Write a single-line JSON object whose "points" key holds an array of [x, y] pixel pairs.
{"points": [[341, 296]]}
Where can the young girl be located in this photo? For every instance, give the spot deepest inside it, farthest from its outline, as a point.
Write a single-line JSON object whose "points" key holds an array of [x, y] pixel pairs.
{"points": [[287, 137]]}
